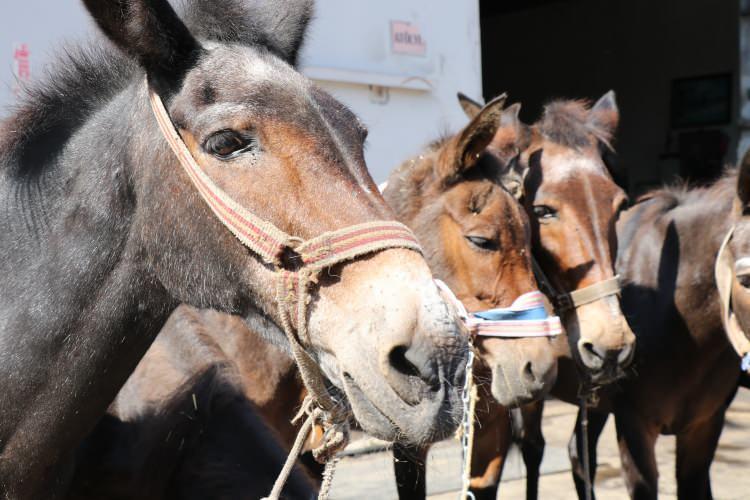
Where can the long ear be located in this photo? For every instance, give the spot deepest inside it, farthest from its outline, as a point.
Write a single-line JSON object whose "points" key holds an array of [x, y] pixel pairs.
{"points": [[510, 139], [743, 180], [604, 116], [151, 32], [464, 149], [469, 105], [279, 25]]}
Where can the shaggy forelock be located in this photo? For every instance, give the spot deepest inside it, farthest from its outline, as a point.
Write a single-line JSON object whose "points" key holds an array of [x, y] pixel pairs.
{"points": [[565, 122]]}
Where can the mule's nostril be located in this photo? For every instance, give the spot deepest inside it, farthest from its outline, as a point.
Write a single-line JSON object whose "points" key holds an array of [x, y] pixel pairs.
{"points": [[528, 372], [589, 347], [399, 362]]}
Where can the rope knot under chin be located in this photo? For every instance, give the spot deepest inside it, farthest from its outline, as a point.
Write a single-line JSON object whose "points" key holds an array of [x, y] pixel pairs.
{"points": [[336, 429]]}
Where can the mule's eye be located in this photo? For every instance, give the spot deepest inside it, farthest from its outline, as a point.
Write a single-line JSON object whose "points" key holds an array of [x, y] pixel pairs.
{"points": [[227, 144], [744, 280], [543, 212], [483, 243]]}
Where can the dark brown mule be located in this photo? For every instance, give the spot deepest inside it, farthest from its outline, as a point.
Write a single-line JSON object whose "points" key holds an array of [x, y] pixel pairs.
{"points": [[205, 439], [480, 247], [104, 234], [457, 199], [687, 371], [573, 204]]}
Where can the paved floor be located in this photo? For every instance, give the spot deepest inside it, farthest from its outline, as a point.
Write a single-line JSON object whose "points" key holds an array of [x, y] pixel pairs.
{"points": [[371, 475]]}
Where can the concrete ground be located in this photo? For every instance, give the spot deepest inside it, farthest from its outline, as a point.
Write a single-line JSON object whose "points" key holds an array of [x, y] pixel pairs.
{"points": [[370, 476]]}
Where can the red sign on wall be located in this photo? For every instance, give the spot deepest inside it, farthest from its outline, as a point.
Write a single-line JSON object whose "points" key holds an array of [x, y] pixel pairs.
{"points": [[407, 39], [21, 65]]}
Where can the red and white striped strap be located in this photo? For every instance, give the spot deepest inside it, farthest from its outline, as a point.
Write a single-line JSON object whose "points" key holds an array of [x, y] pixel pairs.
{"points": [[297, 261]]}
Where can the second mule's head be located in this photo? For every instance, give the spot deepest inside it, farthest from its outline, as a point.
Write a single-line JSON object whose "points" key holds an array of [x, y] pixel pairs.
{"points": [[460, 202], [279, 146]]}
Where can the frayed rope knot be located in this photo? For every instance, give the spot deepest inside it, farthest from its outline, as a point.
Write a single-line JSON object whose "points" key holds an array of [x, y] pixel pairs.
{"points": [[336, 431]]}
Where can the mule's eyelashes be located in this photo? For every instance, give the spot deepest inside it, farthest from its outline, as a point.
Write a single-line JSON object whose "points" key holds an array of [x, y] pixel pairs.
{"points": [[483, 243], [228, 144], [545, 213]]}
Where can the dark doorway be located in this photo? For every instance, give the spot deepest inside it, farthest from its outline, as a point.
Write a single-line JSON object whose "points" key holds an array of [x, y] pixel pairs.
{"points": [[537, 50]]}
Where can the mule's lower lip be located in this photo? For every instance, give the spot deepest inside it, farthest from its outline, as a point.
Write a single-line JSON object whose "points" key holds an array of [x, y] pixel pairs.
{"points": [[430, 420], [607, 375], [377, 422]]}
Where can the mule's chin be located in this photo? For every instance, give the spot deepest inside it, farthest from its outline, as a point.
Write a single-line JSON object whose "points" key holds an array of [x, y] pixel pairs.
{"points": [[606, 376], [513, 392], [434, 418]]}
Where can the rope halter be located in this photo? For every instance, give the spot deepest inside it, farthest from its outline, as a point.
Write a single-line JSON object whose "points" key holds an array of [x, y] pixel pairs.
{"points": [[724, 272], [277, 248]]}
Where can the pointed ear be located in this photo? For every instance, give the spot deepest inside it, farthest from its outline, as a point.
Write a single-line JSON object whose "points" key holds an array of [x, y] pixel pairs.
{"points": [[512, 134], [510, 139], [287, 22], [512, 177], [478, 134], [151, 32], [605, 116], [743, 180], [469, 105], [278, 25], [463, 150]]}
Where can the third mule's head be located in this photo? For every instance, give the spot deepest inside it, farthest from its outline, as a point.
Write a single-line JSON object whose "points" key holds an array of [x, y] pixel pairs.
{"points": [[284, 149], [460, 202], [574, 204]]}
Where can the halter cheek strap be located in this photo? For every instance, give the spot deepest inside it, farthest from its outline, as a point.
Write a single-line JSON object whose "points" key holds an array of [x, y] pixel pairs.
{"points": [[273, 246], [724, 275], [568, 301]]}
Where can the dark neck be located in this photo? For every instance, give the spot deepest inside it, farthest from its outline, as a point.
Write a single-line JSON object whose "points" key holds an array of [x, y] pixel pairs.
{"points": [[83, 309]]}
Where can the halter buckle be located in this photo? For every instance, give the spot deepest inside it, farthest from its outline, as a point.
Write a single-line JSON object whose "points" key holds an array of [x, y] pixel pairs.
{"points": [[564, 302]]}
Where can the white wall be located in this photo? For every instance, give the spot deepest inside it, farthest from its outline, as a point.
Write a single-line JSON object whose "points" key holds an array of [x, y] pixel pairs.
{"points": [[349, 47]]}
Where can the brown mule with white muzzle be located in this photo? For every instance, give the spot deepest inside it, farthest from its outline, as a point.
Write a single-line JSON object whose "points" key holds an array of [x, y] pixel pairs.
{"points": [[106, 232], [573, 204]]}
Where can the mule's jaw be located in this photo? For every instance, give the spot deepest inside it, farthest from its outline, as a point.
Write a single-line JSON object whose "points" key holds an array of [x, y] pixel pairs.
{"points": [[512, 392], [434, 418]]}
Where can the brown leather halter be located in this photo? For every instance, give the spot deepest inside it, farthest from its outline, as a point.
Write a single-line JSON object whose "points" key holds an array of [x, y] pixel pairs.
{"points": [[568, 301], [724, 275], [275, 247]]}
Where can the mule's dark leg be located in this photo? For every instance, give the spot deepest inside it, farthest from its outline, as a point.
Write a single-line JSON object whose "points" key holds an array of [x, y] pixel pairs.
{"points": [[409, 465], [636, 440], [695, 452], [492, 441], [597, 420], [532, 445]]}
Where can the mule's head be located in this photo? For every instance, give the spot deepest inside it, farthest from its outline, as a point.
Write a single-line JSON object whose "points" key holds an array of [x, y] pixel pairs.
{"points": [[475, 234], [738, 260], [574, 204], [390, 348]]}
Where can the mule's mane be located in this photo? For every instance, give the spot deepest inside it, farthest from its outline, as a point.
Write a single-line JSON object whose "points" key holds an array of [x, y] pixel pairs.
{"points": [[681, 193], [565, 122], [84, 77]]}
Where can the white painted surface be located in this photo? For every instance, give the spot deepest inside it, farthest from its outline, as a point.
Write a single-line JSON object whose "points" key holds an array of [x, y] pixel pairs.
{"points": [[348, 48]]}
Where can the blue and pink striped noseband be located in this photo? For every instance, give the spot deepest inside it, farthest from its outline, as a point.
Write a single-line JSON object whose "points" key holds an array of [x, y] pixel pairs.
{"points": [[526, 317]]}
